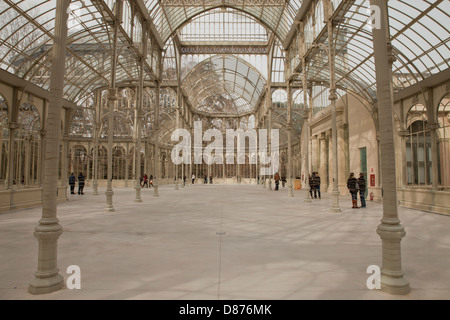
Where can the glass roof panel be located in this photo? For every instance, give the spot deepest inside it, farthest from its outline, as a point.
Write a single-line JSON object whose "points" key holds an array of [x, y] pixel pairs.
{"points": [[277, 15], [212, 82]]}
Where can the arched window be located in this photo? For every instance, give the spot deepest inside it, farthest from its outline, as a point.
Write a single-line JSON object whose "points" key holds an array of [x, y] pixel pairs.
{"points": [[443, 136], [279, 99], [27, 146], [119, 162], [418, 147], [79, 160]]}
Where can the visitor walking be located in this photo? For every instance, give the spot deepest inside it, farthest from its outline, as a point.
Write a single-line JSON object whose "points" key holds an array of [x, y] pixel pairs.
{"points": [[362, 189], [72, 180], [150, 181], [277, 181], [145, 183], [80, 183], [210, 179], [193, 178], [316, 182], [352, 185]]}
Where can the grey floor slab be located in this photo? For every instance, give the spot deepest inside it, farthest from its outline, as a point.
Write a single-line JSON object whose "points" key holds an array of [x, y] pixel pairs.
{"points": [[213, 242]]}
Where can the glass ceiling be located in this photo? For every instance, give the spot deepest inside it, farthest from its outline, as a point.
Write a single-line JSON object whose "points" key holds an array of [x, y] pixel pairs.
{"points": [[224, 85], [227, 83], [276, 15]]}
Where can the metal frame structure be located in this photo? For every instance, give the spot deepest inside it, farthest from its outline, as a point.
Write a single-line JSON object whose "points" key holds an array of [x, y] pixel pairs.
{"points": [[131, 71]]}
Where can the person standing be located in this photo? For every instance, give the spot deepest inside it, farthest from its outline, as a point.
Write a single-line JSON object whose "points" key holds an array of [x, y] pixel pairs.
{"points": [[352, 185], [72, 180], [316, 182], [362, 189], [80, 183], [193, 178], [277, 180], [184, 180]]}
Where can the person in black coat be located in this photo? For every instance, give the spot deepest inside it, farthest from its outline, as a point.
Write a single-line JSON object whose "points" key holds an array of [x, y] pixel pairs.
{"points": [[352, 185], [311, 186], [316, 183], [72, 183], [362, 189], [80, 183]]}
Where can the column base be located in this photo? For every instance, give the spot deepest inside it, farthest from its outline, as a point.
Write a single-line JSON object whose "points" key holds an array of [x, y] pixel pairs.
{"points": [[109, 204], [308, 196], [176, 186], [335, 206], [291, 194], [46, 285], [95, 187], [138, 194], [155, 191], [395, 285]]}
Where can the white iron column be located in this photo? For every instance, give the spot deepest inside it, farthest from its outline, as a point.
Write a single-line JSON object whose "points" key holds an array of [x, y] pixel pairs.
{"points": [[47, 278], [333, 97], [177, 124], [306, 129], [156, 159], [95, 159], [390, 230], [289, 129], [112, 98], [139, 108]]}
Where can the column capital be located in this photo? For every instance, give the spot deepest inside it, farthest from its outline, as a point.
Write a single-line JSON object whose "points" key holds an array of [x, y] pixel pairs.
{"points": [[12, 125], [333, 96]]}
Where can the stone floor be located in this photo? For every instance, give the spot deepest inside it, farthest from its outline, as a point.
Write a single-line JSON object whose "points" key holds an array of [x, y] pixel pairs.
{"points": [[211, 242]]}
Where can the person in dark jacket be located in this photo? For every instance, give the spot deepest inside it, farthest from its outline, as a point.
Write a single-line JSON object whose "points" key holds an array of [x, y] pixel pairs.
{"points": [[316, 182], [277, 181], [72, 180], [362, 189], [352, 187], [80, 183], [311, 186]]}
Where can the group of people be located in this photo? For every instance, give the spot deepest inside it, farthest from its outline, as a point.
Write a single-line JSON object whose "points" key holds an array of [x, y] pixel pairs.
{"points": [[72, 182], [314, 186], [205, 179], [146, 181], [356, 185]]}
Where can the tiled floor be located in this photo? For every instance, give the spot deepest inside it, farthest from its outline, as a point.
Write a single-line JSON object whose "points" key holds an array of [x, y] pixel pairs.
{"points": [[215, 242]]}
